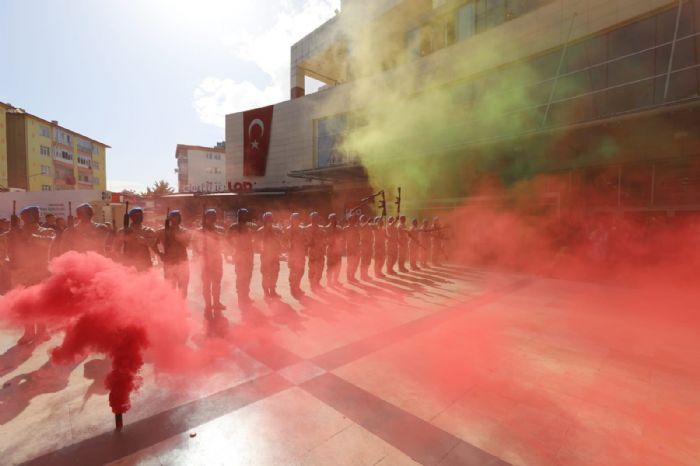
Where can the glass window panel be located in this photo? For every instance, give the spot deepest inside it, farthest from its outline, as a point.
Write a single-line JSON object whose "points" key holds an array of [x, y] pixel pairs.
{"points": [[466, 21], [631, 97], [546, 65], [686, 53], [632, 68], [683, 84], [686, 25], [573, 85], [496, 12], [481, 10], [636, 36], [662, 54], [665, 25]]}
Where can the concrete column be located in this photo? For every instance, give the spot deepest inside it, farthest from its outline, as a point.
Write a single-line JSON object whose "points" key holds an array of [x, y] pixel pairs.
{"points": [[297, 82]]}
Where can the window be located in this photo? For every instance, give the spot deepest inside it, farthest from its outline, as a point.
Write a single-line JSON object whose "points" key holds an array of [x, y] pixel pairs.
{"points": [[466, 21], [84, 178], [95, 164], [83, 161], [45, 170], [85, 146], [44, 131], [95, 180], [45, 151], [46, 187]]}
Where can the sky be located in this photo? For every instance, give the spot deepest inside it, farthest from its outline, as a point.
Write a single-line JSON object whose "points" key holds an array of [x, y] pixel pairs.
{"points": [[145, 75]]}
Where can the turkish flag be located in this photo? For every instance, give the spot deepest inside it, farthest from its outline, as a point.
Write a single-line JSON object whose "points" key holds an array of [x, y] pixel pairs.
{"points": [[257, 127]]}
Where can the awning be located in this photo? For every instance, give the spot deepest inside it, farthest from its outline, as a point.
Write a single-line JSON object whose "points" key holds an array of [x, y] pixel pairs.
{"points": [[334, 173]]}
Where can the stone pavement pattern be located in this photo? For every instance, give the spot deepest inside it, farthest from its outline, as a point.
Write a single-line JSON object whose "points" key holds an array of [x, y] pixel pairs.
{"points": [[449, 365]]}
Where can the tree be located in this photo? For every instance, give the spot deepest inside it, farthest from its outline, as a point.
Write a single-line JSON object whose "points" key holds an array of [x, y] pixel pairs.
{"points": [[160, 188]]}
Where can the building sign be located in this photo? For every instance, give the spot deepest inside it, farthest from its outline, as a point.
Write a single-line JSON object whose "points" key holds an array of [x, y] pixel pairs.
{"points": [[257, 127]]}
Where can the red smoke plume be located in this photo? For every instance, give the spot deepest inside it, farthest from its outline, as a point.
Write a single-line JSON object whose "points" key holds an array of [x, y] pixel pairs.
{"points": [[107, 308]]}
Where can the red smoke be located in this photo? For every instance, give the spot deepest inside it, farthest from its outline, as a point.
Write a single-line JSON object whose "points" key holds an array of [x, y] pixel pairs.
{"points": [[107, 308]]}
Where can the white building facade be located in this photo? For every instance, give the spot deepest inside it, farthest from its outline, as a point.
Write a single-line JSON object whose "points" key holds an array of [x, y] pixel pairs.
{"points": [[201, 169]]}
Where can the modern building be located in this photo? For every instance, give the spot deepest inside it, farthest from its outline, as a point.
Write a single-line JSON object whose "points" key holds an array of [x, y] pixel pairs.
{"points": [[201, 169], [44, 156], [444, 96]]}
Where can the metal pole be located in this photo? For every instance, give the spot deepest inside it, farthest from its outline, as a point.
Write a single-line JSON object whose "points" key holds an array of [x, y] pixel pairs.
{"points": [[619, 186], [556, 77], [673, 49], [653, 183]]}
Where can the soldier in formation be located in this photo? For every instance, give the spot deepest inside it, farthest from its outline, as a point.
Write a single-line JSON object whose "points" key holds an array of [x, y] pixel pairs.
{"points": [[25, 248], [210, 248], [242, 242], [269, 236], [316, 237], [334, 250], [171, 244]]}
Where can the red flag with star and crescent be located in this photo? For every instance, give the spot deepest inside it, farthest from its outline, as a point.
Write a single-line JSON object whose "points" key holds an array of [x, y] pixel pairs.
{"points": [[257, 127]]}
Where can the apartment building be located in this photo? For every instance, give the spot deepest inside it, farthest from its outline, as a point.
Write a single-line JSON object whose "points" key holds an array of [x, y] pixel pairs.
{"points": [[44, 156], [201, 169], [594, 93]]}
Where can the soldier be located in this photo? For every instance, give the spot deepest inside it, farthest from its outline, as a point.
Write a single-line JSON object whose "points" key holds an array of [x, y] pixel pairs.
{"points": [[83, 236], [29, 253], [171, 244], [242, 241], [424, 237], [317, 250], [135, 242], [334, 250], [437, 242], [210, 248], [296, 257], [270, 248], [366, 247], [352, 247], [49, 222], [379, 231], [402, 236], [414, 244], [392, 246]]}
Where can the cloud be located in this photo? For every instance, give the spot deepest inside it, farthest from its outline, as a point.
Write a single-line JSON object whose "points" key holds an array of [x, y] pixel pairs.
{"points": [[269, 49]]}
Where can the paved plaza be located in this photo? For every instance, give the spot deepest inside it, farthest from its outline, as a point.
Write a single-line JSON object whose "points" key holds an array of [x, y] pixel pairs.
{"points": [[445, 366]]}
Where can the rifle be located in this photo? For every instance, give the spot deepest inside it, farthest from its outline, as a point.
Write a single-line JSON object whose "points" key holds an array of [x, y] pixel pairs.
{"points": [[382, 204], [71, 220], [204, 231], [166, 234], [366, 200], [14, 219], [410, 235], [126, 217], [398, 204], [12, 237], [125, 223]]}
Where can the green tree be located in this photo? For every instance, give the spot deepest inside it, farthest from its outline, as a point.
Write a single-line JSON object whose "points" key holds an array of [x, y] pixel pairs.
{"points": [[160, 188]]}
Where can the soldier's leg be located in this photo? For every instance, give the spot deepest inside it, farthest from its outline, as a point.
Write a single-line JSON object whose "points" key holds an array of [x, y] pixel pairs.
{"points": [[274, 275], [353, 262], [296, 271], [217, 275], [390, 262], [184, 277], [244, 274], [206, 289], [319, 262]]}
